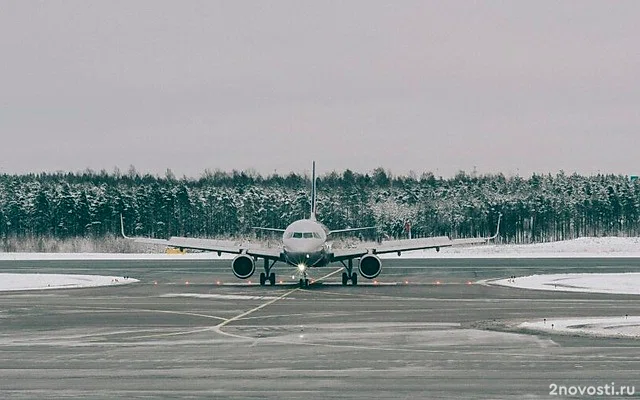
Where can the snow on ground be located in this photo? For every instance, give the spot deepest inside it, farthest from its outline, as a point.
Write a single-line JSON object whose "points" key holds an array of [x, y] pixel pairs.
{"points": [[614, 283], [582, 247], [618, 326], [111, 256], [12, 282]]}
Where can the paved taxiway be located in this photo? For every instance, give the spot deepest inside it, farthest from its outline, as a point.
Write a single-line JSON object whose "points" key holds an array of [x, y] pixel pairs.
{"points": [[436, 337]]}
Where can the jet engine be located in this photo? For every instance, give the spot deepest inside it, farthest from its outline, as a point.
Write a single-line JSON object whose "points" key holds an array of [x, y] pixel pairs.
{"points": [[243, 266], [370, 266]]}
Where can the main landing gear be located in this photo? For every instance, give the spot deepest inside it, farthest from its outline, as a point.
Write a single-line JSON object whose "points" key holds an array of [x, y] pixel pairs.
{"points": [[349, 275], [267, 275]]}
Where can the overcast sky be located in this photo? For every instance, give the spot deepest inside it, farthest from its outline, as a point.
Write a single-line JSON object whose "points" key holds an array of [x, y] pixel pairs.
{"points": [[503, 86]]}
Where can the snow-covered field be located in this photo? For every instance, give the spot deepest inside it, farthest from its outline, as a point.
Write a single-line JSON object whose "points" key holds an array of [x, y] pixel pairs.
{"points": [[610, 326], [618, 326], [12, 282], [614, 283], [111, 256], [583, 247]]}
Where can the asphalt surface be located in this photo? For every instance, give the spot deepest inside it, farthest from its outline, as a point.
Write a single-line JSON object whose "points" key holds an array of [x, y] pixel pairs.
{"points": [[191, 330]]}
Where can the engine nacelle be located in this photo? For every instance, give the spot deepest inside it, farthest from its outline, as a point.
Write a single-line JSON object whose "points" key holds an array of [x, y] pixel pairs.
{"points": [[370, 266], [243, 266]]}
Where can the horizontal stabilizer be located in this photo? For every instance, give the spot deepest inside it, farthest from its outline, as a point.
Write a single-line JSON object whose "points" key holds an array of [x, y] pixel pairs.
{"points": [[351, 229], [261, 228]]}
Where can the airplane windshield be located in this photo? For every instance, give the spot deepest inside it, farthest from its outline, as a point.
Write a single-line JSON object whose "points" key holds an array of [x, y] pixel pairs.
{"points": [[304, 235]]}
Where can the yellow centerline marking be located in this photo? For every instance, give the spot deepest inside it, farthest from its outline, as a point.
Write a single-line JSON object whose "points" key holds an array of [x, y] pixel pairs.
{"points": [[218, 328]]}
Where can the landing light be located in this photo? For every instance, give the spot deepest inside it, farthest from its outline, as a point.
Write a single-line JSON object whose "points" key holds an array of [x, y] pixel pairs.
{"points": [[301, 267]]}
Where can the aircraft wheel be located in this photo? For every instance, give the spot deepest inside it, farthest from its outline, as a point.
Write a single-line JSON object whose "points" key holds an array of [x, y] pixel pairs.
{"points": [[306, 283], [354, 279], [345, 279], [272, 279], [301, 283], [263, 278]]}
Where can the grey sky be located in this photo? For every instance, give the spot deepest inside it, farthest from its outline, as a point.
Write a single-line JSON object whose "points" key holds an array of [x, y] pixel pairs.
{"points": [[505, 86]]}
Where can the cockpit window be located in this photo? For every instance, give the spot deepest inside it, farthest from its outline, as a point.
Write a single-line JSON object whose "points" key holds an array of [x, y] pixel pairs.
{"points": [[308, 235], [297, 235], [316, 235], [289, 235]]}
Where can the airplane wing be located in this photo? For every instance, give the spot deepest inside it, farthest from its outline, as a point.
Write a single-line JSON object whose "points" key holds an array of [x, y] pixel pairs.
{"points": [[218, 246], [398, 246], [393, 246]]}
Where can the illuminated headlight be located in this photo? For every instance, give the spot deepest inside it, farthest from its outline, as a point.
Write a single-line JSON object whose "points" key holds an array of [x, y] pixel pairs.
{"points": [[301, 267]]}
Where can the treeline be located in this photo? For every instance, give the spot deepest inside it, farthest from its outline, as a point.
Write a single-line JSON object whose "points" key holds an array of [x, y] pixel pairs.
{"points": [[539, 208]]}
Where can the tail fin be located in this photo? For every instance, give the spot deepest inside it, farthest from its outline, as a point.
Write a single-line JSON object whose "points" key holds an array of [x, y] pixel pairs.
{"points": [[313, 192]]}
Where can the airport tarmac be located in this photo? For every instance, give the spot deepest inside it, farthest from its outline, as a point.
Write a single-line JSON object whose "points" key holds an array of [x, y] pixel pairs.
{"points": [[189, 329]]}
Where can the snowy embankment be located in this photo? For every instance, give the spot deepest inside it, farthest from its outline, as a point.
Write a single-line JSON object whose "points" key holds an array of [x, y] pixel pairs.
{"points": [[583, 247], [577, 248], [111, 256], [618, 326], [609, 326], [13, 282], [614, 283]]}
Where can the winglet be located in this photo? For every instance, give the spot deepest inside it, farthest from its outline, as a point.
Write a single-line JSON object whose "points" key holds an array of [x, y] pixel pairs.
{"points": [[497, 229], [122, 228]]}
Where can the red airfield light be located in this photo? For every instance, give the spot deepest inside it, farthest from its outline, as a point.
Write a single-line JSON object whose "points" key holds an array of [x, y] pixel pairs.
{"points": [[281, 282], [437, 282], [217, 282], [406, 282], [186, 282]]}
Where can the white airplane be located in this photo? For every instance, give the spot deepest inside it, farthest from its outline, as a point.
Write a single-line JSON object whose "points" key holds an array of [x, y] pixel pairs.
{"points": [[304, 246]]}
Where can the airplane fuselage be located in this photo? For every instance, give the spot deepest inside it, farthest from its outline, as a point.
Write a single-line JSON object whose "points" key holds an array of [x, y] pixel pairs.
{"points": [[305, 244]]}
